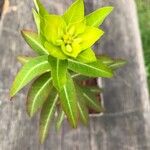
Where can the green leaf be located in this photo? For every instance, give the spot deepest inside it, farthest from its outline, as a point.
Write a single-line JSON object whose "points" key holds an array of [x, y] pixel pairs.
{"points": [[52, 27], [94, 89], [90, 36], [34, 42], [40, 8], [24, 59], [38, 93], [117, 64], [69, 102], [54, 51], [112, 63], [59, 120], [91, 100], [78, 27], [47, 115], [84, 115], [33, 68], [58, 72], [94, 69], [97, 17], [37, 20], [105, 60], [75, 75], [87, 56], [75, 12]]}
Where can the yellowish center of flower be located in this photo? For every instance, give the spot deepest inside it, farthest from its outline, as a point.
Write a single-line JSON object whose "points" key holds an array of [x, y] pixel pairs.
{"points": [[68, 39]]}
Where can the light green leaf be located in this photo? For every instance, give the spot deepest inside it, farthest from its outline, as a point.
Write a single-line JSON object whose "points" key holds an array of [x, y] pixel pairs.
{"points": [[33, 68], [69, 102], [75, 75], [71, 50], [40, 8], [90, 36], [117, 64], [105, 59], [34, 42], [59, 120], [87, 56], [37, 20], [54, 51], [75, 12], [84, 115], [78, 27], [112, 63], [24, 59], [52, 27], [38, 93], [91, 100], [79, 77], [97, 17], [94, 89], [94, 69], [47, 115], [58, 72]]}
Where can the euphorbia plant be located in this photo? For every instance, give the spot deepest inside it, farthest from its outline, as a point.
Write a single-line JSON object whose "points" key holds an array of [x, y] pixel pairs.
{"points": [[65, 58]]}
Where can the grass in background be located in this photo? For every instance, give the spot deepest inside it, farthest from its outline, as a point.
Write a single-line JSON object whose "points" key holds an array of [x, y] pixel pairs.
{"points": [[144, 21]]}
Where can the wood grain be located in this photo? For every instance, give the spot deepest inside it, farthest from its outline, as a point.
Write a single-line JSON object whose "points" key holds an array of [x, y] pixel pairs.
{"points": [[125, 125]]}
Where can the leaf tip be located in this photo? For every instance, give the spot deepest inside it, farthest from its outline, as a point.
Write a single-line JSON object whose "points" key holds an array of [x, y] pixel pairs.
{"points": [[29, 113], [41, 140], [111, 8], [11, 99], [11, 92], [23, 32]]}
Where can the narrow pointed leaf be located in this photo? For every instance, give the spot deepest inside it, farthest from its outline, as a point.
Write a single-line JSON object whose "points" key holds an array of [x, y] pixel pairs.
{"points": [[75, 12], [90, 36], [105, 60], [38, 93], [75, 75], [91, 100], [94, 69], [37, 20], [40, 8], [69, 102], [33, 68], [47, 115], [58, 72], [97, 17], [34, 42], [87, 56], [83, 111], [94, 89], [117, 64], [24, 59], [59, 120], [112, 63]]}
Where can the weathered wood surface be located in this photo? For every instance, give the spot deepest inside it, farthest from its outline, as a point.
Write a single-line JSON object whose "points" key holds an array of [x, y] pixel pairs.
{"points": [[125, 125]]}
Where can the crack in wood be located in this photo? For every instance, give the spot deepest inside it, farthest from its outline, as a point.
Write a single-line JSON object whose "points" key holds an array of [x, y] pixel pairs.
{"points": [[1, 6]]}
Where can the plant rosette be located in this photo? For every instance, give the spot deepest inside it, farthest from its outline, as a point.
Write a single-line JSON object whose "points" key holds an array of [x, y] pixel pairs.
{"points": [[65, 58]]}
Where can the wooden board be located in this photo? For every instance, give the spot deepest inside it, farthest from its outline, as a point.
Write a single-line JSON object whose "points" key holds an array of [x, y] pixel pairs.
{"points": [[125, 125]]}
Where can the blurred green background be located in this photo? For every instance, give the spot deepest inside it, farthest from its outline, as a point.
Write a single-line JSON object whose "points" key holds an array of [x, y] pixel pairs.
{"points": [[143, 7]]}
